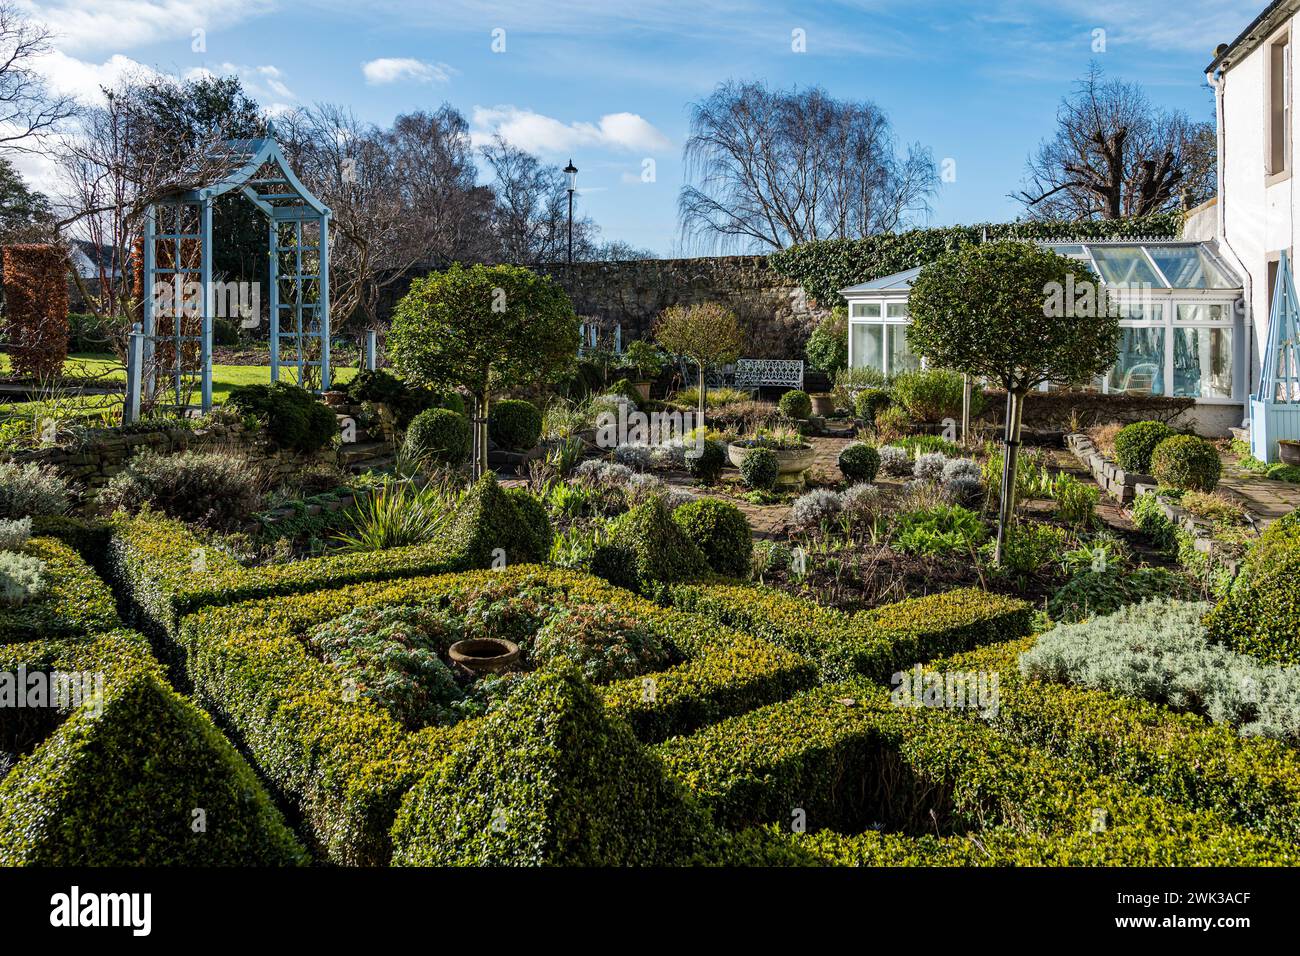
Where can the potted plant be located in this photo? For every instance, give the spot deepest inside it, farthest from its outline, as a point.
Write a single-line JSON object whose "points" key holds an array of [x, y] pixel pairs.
{"points": [[793, 454], [644, 362], [823, 404], [1288, 450]]}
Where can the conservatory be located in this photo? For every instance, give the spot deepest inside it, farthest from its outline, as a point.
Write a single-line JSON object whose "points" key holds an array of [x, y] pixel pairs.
{"points": [[1179, 307]]}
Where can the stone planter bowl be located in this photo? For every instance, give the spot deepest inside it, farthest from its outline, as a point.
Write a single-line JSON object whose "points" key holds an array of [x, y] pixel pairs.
{"points": [[484, 655], [1288, 451], [792, 463], [823, 404]]}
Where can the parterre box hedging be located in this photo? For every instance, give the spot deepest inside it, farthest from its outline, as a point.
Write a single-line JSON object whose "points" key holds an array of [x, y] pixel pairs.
{"points": [[132, 774], [873, 643], [1249, 781], [75, 600], [806, 754], [1260, 615], [346, 764]]}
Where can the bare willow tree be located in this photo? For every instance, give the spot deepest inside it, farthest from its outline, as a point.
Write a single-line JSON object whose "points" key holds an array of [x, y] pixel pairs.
{"points": [[768, 169], [531, 218], [28, 113], [355, 169], [1115, 155]]}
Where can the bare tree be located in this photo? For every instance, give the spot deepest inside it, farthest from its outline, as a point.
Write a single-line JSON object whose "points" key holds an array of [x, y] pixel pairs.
{"points": [[355, 169], [772, 168], [532, 214], [1115, 155], [27, 111], [450, 212]]}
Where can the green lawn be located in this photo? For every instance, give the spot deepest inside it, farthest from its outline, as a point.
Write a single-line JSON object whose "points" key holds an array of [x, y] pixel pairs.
{"points": [[106, 369]]}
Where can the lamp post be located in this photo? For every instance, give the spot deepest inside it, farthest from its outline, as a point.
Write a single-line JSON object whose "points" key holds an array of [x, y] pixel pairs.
{"points": [[572, 172]]}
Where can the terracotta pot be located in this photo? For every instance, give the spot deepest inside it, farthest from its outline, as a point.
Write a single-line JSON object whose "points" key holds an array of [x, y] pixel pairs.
{"points": [[484, 655], [643, 389], [1288, 450], [823, 405], [792, 463]]}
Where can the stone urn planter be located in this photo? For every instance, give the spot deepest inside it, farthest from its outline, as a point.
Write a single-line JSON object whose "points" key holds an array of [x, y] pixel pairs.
{"points": [[484, 655], [643, 389], [1288, 451], [792, 463], [823, 404]]}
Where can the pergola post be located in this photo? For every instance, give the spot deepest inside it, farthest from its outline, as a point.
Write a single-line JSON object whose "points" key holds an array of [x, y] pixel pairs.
{"points": [[148, 319], [323, 301], [273, 273], [205, 280]]}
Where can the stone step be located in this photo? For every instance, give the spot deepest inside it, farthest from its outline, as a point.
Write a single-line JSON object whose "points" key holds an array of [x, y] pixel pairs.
{"points": [[354, 451]]}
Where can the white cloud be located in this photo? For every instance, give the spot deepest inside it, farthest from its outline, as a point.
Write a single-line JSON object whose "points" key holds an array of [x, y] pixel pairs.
{"points": [[67, 76], [395, 69], [90, 25], [544, 134]]}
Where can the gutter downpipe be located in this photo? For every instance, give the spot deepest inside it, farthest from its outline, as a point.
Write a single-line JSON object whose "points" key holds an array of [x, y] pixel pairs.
{"points": [[1248, 324]]}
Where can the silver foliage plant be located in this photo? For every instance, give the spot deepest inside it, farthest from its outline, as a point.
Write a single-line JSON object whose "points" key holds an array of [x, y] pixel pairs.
{"points": [[895, 461], [815, 509], [1158, 651], [14, 532], [22, 578]]}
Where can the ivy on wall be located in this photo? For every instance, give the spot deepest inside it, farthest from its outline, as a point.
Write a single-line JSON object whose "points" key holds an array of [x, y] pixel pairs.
{"points": [[826, 266]]}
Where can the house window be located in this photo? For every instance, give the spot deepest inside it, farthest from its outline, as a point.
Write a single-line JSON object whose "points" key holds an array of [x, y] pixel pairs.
{"points": [[878, 337], [1279, 106]]}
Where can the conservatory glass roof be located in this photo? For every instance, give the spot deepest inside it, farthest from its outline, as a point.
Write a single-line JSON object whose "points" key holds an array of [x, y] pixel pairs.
{"points": [[1172, 265]]}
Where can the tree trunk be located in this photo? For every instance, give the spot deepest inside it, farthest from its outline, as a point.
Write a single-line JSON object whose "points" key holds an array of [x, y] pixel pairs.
{"points": [[703, 395], [1010, 459], [479, 422]]}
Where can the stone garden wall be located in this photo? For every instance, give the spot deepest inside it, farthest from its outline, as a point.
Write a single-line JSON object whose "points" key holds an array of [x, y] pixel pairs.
{"points": [[772, 308]]}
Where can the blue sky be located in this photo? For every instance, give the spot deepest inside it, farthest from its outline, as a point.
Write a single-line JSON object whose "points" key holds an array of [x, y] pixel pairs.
{"points": [[610, 83]]}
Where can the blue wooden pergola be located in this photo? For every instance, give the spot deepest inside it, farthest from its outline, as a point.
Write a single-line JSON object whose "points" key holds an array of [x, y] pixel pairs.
{"points": [[1275, 407], [178, 251]]}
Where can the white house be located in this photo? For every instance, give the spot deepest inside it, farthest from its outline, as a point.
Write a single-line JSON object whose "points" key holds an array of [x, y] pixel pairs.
{"points": [[1255, 218], [1181, 313]]}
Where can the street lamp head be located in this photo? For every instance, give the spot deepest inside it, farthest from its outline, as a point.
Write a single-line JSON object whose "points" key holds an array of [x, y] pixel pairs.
{"points": [[572, 172]]}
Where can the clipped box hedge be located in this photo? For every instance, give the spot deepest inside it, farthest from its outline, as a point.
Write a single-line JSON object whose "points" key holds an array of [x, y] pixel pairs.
{"points": [[941, 770], [118, 781], [875, 643], [346, 764], [1249, 781], [75, 600]]}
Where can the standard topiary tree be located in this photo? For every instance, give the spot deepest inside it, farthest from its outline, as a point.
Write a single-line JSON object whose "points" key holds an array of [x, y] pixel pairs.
{"points": [[998, 311], [859, 462], [708, 335], [718, 529], [1186, 462], [438, 436], [1134, 444], [485, 329]]}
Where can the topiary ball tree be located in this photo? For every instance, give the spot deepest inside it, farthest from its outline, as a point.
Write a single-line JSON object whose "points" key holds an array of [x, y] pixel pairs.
{"points": [[719, 529], [999, 311], [708, 335], [486, 329], [1134, 444], [859, 462], [438, 436], [760, 468], [706, 467], [1187, 462], [515, 424], [795, 404]]}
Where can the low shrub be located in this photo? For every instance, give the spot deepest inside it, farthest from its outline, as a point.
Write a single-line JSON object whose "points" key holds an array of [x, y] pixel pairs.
{"points": [[32, 490], [438, 436], [1106, 590], [515, 424], [895, 461], [535, 523], [14, 533], [760, 468], [795, 404], [22, 578], [721, 532], [931, 395], [892, 423], [930, 466], [815, 510], [859, 462], [1031, 545], [1260, 615], [861, 505], [869, 402], [651, 545], [291, 415], [706, 467], [1158, 651], [487, 520], [939, 530], [1186, 462], [211, 489], [603, 643], [1135, 443]]}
